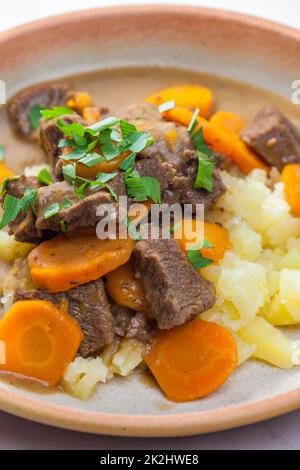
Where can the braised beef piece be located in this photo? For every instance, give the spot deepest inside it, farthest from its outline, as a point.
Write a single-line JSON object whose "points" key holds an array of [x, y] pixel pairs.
{"points": [[182, 188], [23, 226], [47, 95], [175, 291], [81, 214], [173, 144], [164, 172], [170, 139], [131, 324], [89, 306], [273, 137], [50, 135]]}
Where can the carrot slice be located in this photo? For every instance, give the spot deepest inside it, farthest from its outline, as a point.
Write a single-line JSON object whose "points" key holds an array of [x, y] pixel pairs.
{"points": [[192, 360], [229, 122], [190, 231], [40, 340], [290, 176], [220, 135], [125, 289], [62, 263], [187, 96], [4, 172]]}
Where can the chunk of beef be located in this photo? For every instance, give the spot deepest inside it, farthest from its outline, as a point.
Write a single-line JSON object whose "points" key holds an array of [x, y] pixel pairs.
{"points": [[170, 139], [175, 291], [273, 137], [23, 226], [164, 172], [130, 324], [89, 306], [50, 135], [47, 95], [81, 214], [173, 144], [183, 184]]}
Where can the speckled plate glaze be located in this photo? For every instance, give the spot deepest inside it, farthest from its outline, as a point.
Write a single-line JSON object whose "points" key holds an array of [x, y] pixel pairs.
{"points": [[240, 47]]}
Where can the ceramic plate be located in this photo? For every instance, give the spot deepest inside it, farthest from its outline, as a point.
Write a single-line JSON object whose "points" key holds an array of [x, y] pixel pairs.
{"points": [[232, 45]]}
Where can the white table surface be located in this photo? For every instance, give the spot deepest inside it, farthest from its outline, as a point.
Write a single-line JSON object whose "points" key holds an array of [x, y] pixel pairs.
{"points": [[278, 433]]}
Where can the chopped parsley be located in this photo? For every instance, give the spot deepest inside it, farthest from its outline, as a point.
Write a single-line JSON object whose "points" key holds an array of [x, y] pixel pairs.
{"points": [[44, 176], [197, 260], [195, 257], [204, 178], [35, 115], [12, 206], [55, 208], [55, 112], [140, 188], [128, 163]]}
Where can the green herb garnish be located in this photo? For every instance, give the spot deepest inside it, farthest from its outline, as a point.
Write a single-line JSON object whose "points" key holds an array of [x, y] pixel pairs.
{"points": [[12, 206], [55, 112], [44, 176], [51, 210], [55, 208], [35, 115], [128, 163], [204, 178], [140, 188]]}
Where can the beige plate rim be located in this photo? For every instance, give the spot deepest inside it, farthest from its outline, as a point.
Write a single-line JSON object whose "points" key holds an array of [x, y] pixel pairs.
{"points": [[182, 424]]}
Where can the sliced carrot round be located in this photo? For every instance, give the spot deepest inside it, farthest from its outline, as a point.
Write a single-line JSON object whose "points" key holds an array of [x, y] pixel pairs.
{"points": [[193, 360], [290, 176], [40, 340], [62, 263], [122, 286], [229, 122], [187, 96], [192, 232]]}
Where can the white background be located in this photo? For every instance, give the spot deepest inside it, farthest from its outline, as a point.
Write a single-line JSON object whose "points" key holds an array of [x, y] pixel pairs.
{"points": [[279, 433]]}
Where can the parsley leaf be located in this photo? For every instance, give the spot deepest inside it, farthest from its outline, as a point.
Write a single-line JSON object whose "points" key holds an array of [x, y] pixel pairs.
{"points": [[204, 178], [44, 176], [140, 188], [35, 115], [11, 208], [69, 172], [51, 210], [197, 260], [126, 128], [56, 111], [91, 159], [129, 162]]}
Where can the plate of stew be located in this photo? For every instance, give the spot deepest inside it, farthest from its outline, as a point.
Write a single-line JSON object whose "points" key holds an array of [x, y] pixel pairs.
{"points": [[149, 248]]}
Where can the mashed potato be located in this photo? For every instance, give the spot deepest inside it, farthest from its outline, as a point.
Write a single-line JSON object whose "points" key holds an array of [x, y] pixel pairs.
{"points": [[258, 282]]}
